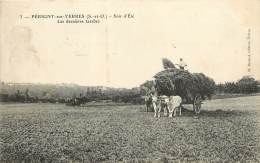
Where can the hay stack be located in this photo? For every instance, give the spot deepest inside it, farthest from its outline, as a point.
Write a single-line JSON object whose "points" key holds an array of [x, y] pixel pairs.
{"points": [[180, 82]]}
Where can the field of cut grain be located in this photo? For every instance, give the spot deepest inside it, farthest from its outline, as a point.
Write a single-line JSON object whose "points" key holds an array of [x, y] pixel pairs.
{"points": [[226, 130]]}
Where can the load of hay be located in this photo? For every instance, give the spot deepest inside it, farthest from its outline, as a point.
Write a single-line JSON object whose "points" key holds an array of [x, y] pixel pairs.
{"points": [[175, 81]]}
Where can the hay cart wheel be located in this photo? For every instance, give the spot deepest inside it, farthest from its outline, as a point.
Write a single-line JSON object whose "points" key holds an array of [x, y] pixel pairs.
{"points": [[197, 104]]}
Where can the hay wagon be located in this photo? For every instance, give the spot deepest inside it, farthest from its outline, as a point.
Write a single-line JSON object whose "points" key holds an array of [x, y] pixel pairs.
{"points": [[196, 102], [192, 87]]}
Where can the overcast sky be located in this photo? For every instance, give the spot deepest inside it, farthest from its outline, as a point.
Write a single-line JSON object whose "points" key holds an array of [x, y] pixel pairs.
{"points": [[210, 36]]}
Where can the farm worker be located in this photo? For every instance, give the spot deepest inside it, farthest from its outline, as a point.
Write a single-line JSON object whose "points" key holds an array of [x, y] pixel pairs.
{"points": [[182, 64], [164, 104], [154, 99]]}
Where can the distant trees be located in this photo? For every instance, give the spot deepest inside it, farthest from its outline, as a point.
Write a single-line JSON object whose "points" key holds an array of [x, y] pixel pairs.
{"points": [[228, 87], [245, 85], [50, 93], [64, 93], [128, 97]]}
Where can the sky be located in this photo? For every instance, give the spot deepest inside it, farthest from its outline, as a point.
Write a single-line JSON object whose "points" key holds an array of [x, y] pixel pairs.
{"points": [[211, 37]]}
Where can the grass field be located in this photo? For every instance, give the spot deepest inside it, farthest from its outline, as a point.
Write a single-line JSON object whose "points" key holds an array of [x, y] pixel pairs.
{"points": [[227, 130]]}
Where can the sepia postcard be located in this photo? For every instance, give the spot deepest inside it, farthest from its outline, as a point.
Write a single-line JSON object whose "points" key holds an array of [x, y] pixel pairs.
{"points": [[129, 81]]}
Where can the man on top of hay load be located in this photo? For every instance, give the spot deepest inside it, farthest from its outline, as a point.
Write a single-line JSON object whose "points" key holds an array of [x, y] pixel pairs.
{"points": [[182, 64]]}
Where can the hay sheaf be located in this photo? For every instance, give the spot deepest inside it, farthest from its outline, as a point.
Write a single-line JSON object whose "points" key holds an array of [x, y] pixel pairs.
{"points": [[183, 83]]}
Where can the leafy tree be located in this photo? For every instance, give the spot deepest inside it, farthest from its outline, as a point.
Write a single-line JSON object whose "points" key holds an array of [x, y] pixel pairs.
{"points": [[231, 87], [147, 87], [247, 84]]}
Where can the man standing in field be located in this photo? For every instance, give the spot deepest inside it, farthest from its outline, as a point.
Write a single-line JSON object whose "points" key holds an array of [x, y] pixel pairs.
{"points": [[182, 64]]}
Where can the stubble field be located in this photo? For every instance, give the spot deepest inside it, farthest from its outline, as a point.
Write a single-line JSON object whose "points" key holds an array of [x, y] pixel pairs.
{"points": [[227, 130]]}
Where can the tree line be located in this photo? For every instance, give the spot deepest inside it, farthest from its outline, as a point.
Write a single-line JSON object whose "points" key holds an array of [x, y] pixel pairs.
{"points": [[245, 85], [64, 93]]}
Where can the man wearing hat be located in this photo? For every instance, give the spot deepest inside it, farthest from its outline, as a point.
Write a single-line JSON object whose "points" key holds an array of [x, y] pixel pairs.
{"points": [[182, 64]]}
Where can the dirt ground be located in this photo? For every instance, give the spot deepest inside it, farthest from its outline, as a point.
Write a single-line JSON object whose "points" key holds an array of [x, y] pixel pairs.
{"points": [[226, 130]]}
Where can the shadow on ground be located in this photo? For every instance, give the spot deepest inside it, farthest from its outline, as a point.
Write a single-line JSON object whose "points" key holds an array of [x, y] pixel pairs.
{"points": [[214, 113], [211, 113]]}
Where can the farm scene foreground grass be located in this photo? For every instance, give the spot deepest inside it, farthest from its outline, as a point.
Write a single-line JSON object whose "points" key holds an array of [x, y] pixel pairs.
{"points": [[226, 130]]}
